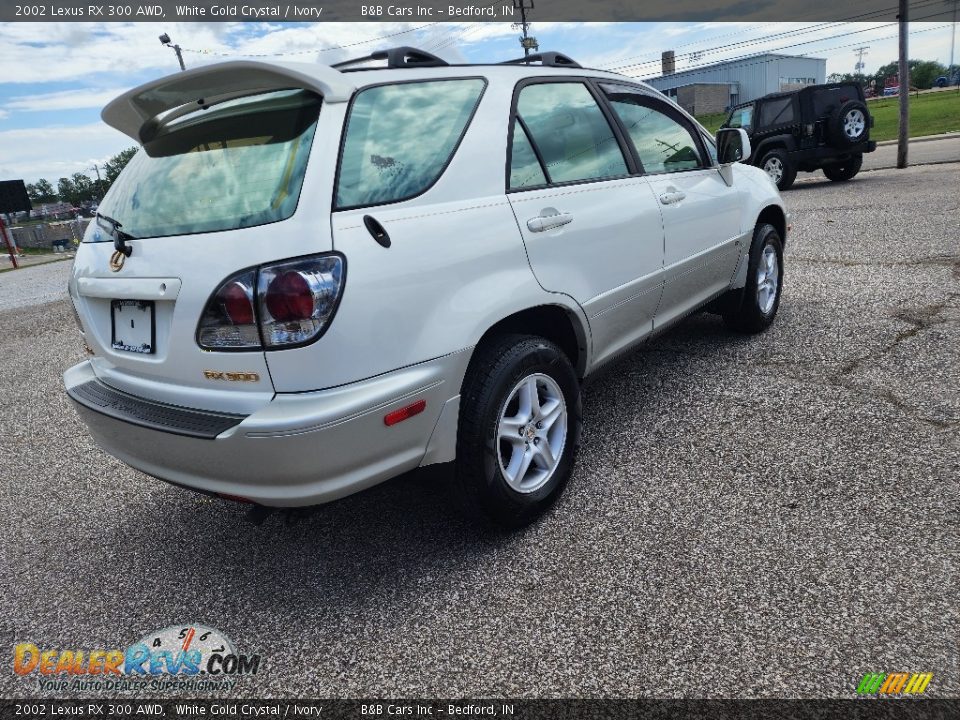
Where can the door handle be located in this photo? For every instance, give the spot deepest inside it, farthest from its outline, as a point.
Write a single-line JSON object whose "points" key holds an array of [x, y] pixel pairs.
{"points": [[548, 220], [670, 198]]}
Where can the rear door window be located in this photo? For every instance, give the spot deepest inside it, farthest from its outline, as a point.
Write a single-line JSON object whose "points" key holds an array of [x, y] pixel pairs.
{"points": [[573, 137], [400, 138], [234, 165]]}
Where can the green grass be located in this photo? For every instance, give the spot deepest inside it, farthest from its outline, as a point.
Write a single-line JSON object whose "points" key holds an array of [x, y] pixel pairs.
{"points": [[930, 114], [712, 122]]}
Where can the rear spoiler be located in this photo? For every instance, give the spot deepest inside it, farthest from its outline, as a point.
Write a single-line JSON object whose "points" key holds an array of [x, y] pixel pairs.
{"points": [[137, 112]]}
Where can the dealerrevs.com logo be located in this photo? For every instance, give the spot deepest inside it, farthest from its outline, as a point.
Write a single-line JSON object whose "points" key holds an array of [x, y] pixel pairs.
{"points": [[894, 683], [180, 658]]}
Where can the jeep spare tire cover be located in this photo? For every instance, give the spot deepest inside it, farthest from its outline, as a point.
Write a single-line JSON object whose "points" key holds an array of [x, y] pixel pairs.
{"points": [[850, 123]]}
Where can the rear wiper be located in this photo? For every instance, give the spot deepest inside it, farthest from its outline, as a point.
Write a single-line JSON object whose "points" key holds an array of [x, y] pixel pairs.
{"points": [[119, 236]]}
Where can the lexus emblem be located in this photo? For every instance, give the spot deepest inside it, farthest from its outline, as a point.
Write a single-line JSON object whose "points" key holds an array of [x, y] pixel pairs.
{"points": [[116, 260]]}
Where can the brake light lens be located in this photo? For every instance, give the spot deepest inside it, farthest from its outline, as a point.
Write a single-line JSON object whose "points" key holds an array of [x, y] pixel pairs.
{"points": [[274, 306], [229, 322], [298, 298]]}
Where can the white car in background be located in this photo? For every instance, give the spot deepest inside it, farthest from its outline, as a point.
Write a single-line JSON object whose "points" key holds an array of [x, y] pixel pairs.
{"points": [[311, 279]]}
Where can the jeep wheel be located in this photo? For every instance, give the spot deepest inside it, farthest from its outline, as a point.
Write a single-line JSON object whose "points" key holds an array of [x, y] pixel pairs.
{"points": [[850, 123], [777, 165], [519, 429], [845, 171], [760, 297]]}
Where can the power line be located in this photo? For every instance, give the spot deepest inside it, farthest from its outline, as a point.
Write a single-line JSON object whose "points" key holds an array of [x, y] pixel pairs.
{"points": [[785, 47], [786, 33], [820, 50]]}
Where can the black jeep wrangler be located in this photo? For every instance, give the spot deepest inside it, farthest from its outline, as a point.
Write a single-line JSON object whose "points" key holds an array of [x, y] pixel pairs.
{"points": [[817, 127]]}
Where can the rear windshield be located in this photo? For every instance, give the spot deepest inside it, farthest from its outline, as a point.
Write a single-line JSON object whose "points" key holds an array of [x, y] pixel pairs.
{"points": [[235, 165]]}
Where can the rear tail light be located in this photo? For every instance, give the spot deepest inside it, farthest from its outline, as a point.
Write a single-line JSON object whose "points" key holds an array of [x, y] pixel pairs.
{"points": [[281, 305]]}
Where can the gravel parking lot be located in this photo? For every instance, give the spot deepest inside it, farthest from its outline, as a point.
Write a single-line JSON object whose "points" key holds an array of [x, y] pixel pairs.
{"points": [[769, 516]]}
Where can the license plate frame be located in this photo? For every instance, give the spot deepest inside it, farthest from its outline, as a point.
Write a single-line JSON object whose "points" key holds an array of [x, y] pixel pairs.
{"points": [[142, 341]]}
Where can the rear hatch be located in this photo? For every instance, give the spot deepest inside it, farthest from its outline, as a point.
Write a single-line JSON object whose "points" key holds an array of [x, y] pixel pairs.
{"points": [[216, 188]]}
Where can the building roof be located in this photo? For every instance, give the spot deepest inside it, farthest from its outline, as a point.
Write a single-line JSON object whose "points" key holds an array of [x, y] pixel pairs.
{"points": [[730, 63]]}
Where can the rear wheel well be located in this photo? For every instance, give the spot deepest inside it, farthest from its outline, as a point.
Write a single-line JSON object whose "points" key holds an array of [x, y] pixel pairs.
{"points": [[773, 215], [552, 322]]}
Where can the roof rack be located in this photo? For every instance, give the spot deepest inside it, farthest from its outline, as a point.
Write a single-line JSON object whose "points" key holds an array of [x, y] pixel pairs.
{"points": [[398, 57], [547, 59]]}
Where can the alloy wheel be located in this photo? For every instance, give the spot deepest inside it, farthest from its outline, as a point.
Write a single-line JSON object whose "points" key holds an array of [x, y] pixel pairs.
{"points": [[768, 278], [854, 124], [774, 168], [531, 432]]}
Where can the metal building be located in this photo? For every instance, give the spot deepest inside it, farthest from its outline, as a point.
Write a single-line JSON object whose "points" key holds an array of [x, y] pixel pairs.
{"points": [[714, 88]]}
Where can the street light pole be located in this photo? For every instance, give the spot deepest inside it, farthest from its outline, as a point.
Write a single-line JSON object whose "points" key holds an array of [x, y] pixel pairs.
{"points": [[165, 40]]}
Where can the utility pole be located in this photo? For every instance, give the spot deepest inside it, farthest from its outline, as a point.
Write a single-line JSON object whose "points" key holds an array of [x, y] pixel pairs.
{"points": [[860, 52], [953, 41], [904, 71], [527, 42], [96, 169], [165, 40]]}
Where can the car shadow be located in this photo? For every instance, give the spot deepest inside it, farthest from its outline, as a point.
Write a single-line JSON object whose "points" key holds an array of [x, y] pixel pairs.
{"points": [[402, 534]]}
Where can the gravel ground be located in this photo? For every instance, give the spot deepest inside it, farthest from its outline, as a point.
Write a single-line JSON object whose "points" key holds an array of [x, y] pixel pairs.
{"points": [[770, 516], [34, 285]]}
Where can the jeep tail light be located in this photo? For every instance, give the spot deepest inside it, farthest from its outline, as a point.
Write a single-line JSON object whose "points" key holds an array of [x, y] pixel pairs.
{"points": [[297, 299], [280, 305], [229, 321]]}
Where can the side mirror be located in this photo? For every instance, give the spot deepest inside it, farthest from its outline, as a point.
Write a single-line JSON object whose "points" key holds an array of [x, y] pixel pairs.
{"points": [[733, 145]]}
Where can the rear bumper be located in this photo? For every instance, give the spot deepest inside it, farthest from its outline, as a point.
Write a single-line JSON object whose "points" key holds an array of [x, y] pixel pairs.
{"points": [[828, 155], [298, 449]]}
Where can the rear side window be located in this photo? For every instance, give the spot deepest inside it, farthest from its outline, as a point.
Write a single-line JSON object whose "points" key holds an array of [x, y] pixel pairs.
{"points": [[777, 111], [826, 100], [400, 137], [235, 165], [567, 126]]}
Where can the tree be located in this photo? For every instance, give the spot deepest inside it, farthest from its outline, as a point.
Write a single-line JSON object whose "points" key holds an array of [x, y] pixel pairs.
{"points": [[922, 73], [116, 164], [76, 189], [925, 72], [41, 192]]}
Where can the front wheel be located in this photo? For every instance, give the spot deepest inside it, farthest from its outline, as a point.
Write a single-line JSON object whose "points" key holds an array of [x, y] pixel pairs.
{"points": [[845, 171], [520, 419], [760, 298], [777, 165]]}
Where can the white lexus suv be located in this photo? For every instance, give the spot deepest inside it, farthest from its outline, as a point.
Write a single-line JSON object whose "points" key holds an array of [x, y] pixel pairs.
{"points": [[313, 278]]}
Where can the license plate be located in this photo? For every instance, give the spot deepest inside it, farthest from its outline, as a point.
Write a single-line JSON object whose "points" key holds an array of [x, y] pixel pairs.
{"points": [[133, 326]]}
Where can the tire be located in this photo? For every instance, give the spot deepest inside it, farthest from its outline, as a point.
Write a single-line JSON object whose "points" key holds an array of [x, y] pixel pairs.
{"points": [[776, 163], [844, 171], [756, 308], [500, 375], [850, 123]]}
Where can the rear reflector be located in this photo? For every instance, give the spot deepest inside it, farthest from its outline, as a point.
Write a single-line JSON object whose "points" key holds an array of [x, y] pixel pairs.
{"points": [[404, 413], [235, 498]]}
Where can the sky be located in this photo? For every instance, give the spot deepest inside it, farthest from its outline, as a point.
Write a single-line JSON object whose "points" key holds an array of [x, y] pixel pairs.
{"points": [[56, 77]]}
